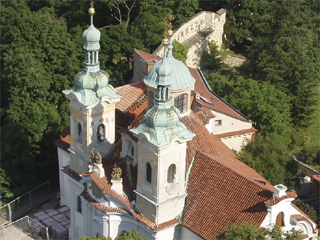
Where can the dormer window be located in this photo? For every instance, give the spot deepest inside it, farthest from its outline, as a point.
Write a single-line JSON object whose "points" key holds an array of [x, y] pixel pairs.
{"points": [[101, 133], [79, 132], [218, 122], [180, 102]]}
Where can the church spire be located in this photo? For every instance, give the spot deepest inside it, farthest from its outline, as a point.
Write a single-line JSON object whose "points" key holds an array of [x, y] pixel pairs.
{"points": [[91, 38], [162, 124], [92, 83]]}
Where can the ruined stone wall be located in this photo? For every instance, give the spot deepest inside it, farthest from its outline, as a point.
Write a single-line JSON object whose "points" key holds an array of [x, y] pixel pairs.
{"points": [[197, 33], [237, 61]]}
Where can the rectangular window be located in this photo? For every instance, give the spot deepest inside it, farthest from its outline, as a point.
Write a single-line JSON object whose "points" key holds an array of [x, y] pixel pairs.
{"points": [[79, 204], [218, 122]]}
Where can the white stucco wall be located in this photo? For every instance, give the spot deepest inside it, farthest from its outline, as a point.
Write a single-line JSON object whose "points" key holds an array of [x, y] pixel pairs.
{"points": [[63, 160], [159, 200], [228, 124], [235, 143], [76, 219], [186, 234]]}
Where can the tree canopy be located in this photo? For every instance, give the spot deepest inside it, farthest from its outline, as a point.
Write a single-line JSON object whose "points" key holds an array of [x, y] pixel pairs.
{"points": [[269, 156], [247, 230], [268, 107]]}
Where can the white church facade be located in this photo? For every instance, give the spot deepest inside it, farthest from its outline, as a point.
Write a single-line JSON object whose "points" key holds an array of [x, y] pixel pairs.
{"points": [[158, 155]]}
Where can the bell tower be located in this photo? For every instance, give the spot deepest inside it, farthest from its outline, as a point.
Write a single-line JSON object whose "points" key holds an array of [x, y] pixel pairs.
{"points": [[92, 105], [160, 193]]}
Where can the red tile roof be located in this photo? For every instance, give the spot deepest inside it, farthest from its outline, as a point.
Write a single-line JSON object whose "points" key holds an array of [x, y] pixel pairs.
{"points": [[150, 58], [131, 95], [316, 178], [105, 186], [65, 139], [235, 133], [216, 103], [218, 197], [71, 173], [201, 142], [276, 200], [299, 217]]}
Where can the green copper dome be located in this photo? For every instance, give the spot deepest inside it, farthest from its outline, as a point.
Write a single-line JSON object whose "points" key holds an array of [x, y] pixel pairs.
{"points": [[91, 37], [181, 77]]}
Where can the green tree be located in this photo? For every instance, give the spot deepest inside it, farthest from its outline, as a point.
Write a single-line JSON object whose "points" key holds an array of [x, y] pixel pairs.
{"points": [[4, 186], [247, 230], [308, 209], [286, 54], [38, 61], [212, 60], [180, 51], [101, 237], [242, 20], [266, 106], [269, 156], [130, 235]]}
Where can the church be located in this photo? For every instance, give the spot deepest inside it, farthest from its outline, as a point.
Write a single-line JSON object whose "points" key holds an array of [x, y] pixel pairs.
{"points": [[159, 155]]}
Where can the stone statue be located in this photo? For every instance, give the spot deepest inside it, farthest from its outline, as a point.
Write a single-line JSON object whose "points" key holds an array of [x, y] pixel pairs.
{"points": [[98, 158], [92, 156], [95, 157], [116, 173]]}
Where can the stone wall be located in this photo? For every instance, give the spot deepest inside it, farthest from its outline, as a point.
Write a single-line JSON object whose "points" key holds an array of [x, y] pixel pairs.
{"points": [[197, 33]]}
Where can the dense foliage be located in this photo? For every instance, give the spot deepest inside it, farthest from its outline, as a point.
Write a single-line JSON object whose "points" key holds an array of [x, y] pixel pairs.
{"points": [[271, 152], [248, 231], [281, 38], [281, 41]]}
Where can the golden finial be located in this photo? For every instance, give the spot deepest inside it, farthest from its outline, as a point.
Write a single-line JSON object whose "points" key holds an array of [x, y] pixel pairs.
{"points": [[165, 40], [91, 9], [170, 17]]}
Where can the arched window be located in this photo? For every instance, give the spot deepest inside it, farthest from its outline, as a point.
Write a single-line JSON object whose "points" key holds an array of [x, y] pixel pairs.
{"points": [[101, 133], [79, 204], [171, 173], [149, 172], [180, 102], [280, 220], [79, 133]]}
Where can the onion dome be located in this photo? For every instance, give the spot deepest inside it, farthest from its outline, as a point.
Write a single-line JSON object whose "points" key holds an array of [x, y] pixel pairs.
{"points": [[162, 118], [181, 77], [91, 37]]}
